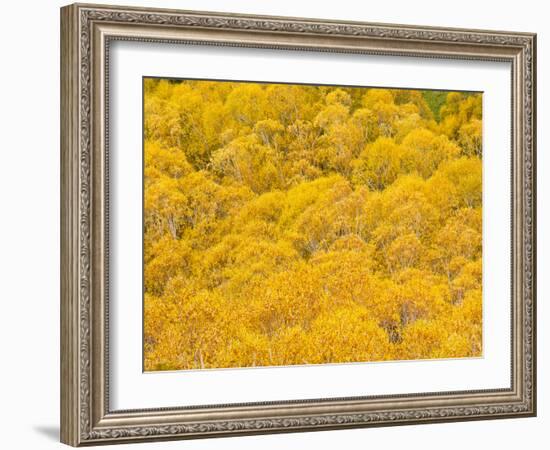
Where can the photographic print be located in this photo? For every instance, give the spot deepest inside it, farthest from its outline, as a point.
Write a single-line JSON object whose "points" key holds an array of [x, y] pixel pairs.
{"points": [[289, 224]]}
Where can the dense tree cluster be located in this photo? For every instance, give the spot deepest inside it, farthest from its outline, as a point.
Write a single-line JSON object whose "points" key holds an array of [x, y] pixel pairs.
{"points": [[290, 224]]}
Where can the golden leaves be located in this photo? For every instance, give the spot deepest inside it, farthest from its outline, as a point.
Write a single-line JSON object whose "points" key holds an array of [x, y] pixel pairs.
{"points": [[301, 225]]}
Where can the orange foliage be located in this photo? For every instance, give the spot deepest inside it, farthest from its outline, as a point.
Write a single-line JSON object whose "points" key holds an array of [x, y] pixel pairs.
{"points": [[309, 224]]}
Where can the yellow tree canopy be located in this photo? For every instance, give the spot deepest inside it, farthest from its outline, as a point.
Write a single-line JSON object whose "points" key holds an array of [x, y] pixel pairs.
{"points": [[293, 224]]}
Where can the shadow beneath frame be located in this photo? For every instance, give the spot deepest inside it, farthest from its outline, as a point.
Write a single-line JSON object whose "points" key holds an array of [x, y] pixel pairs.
{"points": [[49, 431]]}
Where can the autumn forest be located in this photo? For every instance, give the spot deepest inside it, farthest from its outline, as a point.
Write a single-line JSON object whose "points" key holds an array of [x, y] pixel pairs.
{"points": [[298, 224]]}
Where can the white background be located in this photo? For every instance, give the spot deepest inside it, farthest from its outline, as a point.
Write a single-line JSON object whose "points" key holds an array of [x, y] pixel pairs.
{"points": [[132, 389], [29, 225]]}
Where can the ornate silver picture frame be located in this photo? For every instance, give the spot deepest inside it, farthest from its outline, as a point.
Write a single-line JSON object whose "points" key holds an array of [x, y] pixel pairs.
{"points": [[87, 32]]}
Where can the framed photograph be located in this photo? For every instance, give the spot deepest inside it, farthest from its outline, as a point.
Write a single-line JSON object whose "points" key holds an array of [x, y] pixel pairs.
{"points": [[275, 224]]}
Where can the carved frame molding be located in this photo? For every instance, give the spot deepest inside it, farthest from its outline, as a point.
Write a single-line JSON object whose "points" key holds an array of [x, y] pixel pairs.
{"points": [[86, 32]]}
